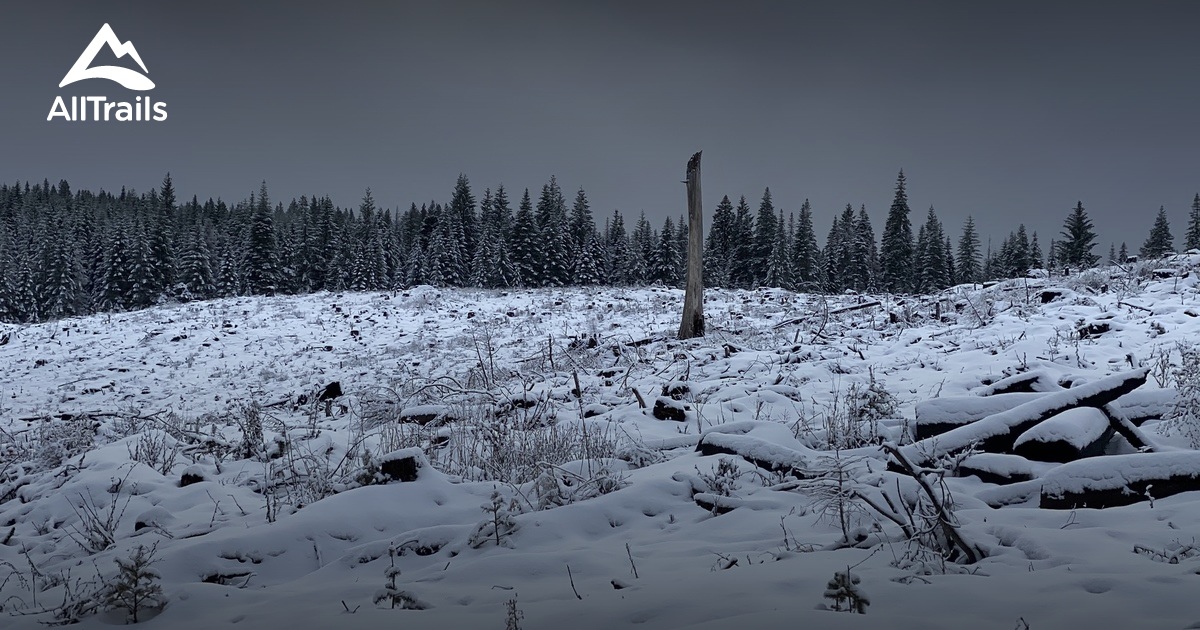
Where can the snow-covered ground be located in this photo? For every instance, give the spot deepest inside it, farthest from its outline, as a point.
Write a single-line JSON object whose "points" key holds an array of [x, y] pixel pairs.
{"points": [[606, 516]]}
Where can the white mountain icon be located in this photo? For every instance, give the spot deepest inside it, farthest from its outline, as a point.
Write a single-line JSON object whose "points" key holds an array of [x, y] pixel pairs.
{"points": [[130, 79]]}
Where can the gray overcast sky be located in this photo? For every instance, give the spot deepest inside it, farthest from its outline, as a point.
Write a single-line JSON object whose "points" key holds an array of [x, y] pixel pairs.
{"points": [[1010, 111]]}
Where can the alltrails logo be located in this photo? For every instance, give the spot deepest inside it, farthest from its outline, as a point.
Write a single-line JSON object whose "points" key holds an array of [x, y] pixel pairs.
{"points": [[99, 107]]}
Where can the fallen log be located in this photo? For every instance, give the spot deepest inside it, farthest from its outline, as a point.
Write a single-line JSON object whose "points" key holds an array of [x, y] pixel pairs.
{"points": [[1120, 480], [1123, 426], [856, 307], [1026, 383], [1147, 404], [998, 468], [998, 432], [1073, 434], [761, 453], [939, 415]]}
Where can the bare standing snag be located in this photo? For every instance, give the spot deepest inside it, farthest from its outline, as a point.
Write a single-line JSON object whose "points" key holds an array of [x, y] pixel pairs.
{"points": [[693, 299]]}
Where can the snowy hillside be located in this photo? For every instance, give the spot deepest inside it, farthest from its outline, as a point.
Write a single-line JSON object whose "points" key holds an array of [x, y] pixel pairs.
{"points": [[553, 458]]}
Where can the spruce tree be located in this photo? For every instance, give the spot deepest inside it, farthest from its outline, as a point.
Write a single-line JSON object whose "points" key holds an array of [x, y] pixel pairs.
{"points": [[262, 255], [718, 246], [805, 268], [1075, 250], [896, 255], [162, 229], [932, 255], [666, 256], [554, 231], [1160, 242], [525, 244], [743, 246], [462, 205], [1123, 254], [616, 248], [864, 258], [765, 231], [641, 252], [195, 267], [778, 269], [1192, 240], [589, 263], [832, 253]]}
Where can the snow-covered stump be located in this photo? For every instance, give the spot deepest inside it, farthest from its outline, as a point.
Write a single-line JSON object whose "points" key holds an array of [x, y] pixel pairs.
{"points": [[1071, 435], [998, 432], [939, 415], [1120, 480], [667, 408], [403, 465], [192, 474]]}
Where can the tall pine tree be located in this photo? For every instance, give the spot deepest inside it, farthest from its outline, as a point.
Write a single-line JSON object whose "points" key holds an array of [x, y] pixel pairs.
{"points": [[896, 255]]}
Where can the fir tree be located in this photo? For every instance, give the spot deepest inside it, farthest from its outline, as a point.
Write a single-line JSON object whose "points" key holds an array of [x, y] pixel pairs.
{"points": [[525, 244], [1075, 250], [462, 206], [1123, 254], [778, 269], [931, 255], [864, 258], [805, 269], [765, 232], [742, 261], [641, 252], [666, 256], [1160, 242], [896, 251], [1192, 240], [262, 256], [554, 231], [195, 268], [718, 246]]}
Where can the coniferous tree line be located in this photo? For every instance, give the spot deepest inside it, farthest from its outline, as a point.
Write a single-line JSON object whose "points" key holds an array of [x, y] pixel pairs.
{"points": [[65, 252]]}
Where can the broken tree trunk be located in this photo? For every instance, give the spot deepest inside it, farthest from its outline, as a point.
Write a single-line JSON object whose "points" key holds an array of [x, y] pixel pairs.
{"points": [[693, 299], [998, 432]]}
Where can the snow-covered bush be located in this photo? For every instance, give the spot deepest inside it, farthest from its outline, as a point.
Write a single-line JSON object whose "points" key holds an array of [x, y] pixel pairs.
{"points": [[56, 441], [853, 419], [845, 594], [833, 485], [250, 421], [1185, 416], [155, 449], [723, 480]]}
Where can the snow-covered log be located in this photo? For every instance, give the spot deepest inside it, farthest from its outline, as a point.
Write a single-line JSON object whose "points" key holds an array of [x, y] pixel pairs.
{"points": [[1118, 480], [998, 432], [998, 468], [1119, 420], [1028, 382], [1071, 435], [1147, 404], [939, 415], [761, 453]]}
